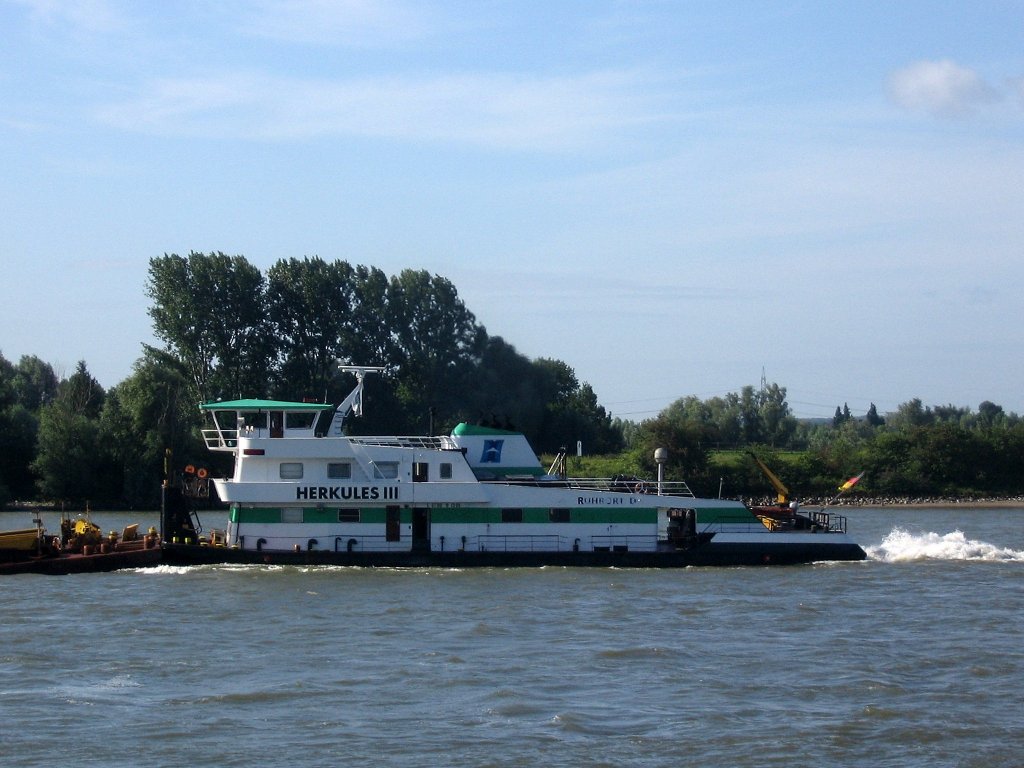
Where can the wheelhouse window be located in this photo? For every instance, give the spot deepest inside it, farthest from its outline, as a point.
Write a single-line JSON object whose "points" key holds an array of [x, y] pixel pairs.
{"points": [[291, 470], [385, 470], [339, 470], [559, 515], [511, 515], [300, 420], [248, 423], [445, 472]]}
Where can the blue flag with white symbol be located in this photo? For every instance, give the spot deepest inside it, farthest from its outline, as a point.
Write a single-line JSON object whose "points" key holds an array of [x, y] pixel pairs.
{"points": [[492, 452]]}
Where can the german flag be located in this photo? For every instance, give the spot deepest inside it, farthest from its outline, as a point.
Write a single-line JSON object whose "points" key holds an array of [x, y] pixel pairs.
{"points": [[850, 483]]}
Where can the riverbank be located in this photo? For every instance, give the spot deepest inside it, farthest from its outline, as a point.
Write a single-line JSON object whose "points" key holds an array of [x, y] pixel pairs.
{"points": [[942, 502]]}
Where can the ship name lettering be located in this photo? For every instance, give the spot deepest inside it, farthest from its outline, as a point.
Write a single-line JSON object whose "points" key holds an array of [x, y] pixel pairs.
{"points": [[598, 500], [344, 493]]}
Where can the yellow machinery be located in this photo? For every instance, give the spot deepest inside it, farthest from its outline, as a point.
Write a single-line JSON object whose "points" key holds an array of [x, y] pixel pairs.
{"points": [[782, 492]]}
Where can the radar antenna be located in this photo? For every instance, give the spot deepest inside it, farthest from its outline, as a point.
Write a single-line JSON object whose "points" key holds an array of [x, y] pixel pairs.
{"points": [[353, 404]]}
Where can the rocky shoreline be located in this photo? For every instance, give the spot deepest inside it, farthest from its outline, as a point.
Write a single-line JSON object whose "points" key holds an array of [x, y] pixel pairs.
{"points": [[1000, 502]]}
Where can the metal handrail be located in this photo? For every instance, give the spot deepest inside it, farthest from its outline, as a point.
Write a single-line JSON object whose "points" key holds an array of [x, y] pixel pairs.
{"points": [[364, 543], [829, 521], [635, 487], [443, 443], [220, 439], [648, 540], [487, 542]]}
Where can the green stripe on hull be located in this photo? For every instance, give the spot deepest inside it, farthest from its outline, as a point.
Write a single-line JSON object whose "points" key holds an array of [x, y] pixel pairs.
{"points": [[448, 515], [312, 515]]}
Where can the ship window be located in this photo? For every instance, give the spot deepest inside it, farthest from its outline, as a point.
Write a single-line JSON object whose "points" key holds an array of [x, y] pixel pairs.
{"points": [[299, 420], [339, 470], [252, 420], [385, 470], [446, 470], [291, 470], [559, 515], [420, 472], [291, 515], [511, 515], [348, 515]]}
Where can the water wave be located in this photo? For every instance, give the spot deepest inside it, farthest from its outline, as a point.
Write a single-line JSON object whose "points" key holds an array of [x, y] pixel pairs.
{"points": [[902, 546], [160, 570]]}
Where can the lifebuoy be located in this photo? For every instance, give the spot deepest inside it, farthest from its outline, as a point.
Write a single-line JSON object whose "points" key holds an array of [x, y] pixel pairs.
{"points": [[190, 470], [202, 473]]}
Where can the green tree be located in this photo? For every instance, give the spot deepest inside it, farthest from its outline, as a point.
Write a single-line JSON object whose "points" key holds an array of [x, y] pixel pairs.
{"points": [[69, 462], [209, 311], [23, 389], [777, 423], [685, 443], [842, 415], [912, 413], [507, 388], [873, 418], [751, 428], [310, 304], [436, 343], [146, 414], [726, 416], [34, 382], [572, 413]]}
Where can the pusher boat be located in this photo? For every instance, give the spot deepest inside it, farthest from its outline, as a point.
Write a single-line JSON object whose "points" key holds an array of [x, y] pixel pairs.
{"points": [[305, 492]]}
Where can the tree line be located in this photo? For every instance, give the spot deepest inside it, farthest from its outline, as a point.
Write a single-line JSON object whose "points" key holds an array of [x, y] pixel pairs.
{"points": [[229, 330], [915, 451]]}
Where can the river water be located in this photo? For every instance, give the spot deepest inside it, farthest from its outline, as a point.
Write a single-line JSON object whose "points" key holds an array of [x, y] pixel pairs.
{"points": [[912, 658]]}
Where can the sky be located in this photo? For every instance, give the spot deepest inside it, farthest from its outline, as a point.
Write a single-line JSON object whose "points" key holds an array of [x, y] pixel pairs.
{"points": [[674, 198]]}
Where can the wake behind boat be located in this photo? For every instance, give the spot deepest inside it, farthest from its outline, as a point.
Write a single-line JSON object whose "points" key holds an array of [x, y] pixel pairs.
{"points": [[304, 492]]}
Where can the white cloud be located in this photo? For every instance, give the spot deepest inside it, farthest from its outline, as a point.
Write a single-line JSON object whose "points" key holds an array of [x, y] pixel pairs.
{"points": [[93, 16], [504, 111], [358, 23], [941, 88]]}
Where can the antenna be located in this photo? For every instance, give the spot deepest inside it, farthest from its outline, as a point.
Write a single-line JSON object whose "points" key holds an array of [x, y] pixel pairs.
{"points": [[353, 404]]}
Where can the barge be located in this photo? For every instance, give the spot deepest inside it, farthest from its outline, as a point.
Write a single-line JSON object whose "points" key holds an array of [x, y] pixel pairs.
{"points": [[81, 547]]}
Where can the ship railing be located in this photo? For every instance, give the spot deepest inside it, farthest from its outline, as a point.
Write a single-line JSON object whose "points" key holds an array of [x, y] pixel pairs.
{"points": [[221, 439], [737, 526], [623, 543], [362, 543], [440, 443], [556, 543], [822, 521], [227, 440], [630, 485], [618, 485], [829, 521], [496, 542]]}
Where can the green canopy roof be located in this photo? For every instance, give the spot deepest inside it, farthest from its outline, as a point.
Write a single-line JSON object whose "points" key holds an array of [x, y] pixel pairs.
{"points": [[263, 405]]}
